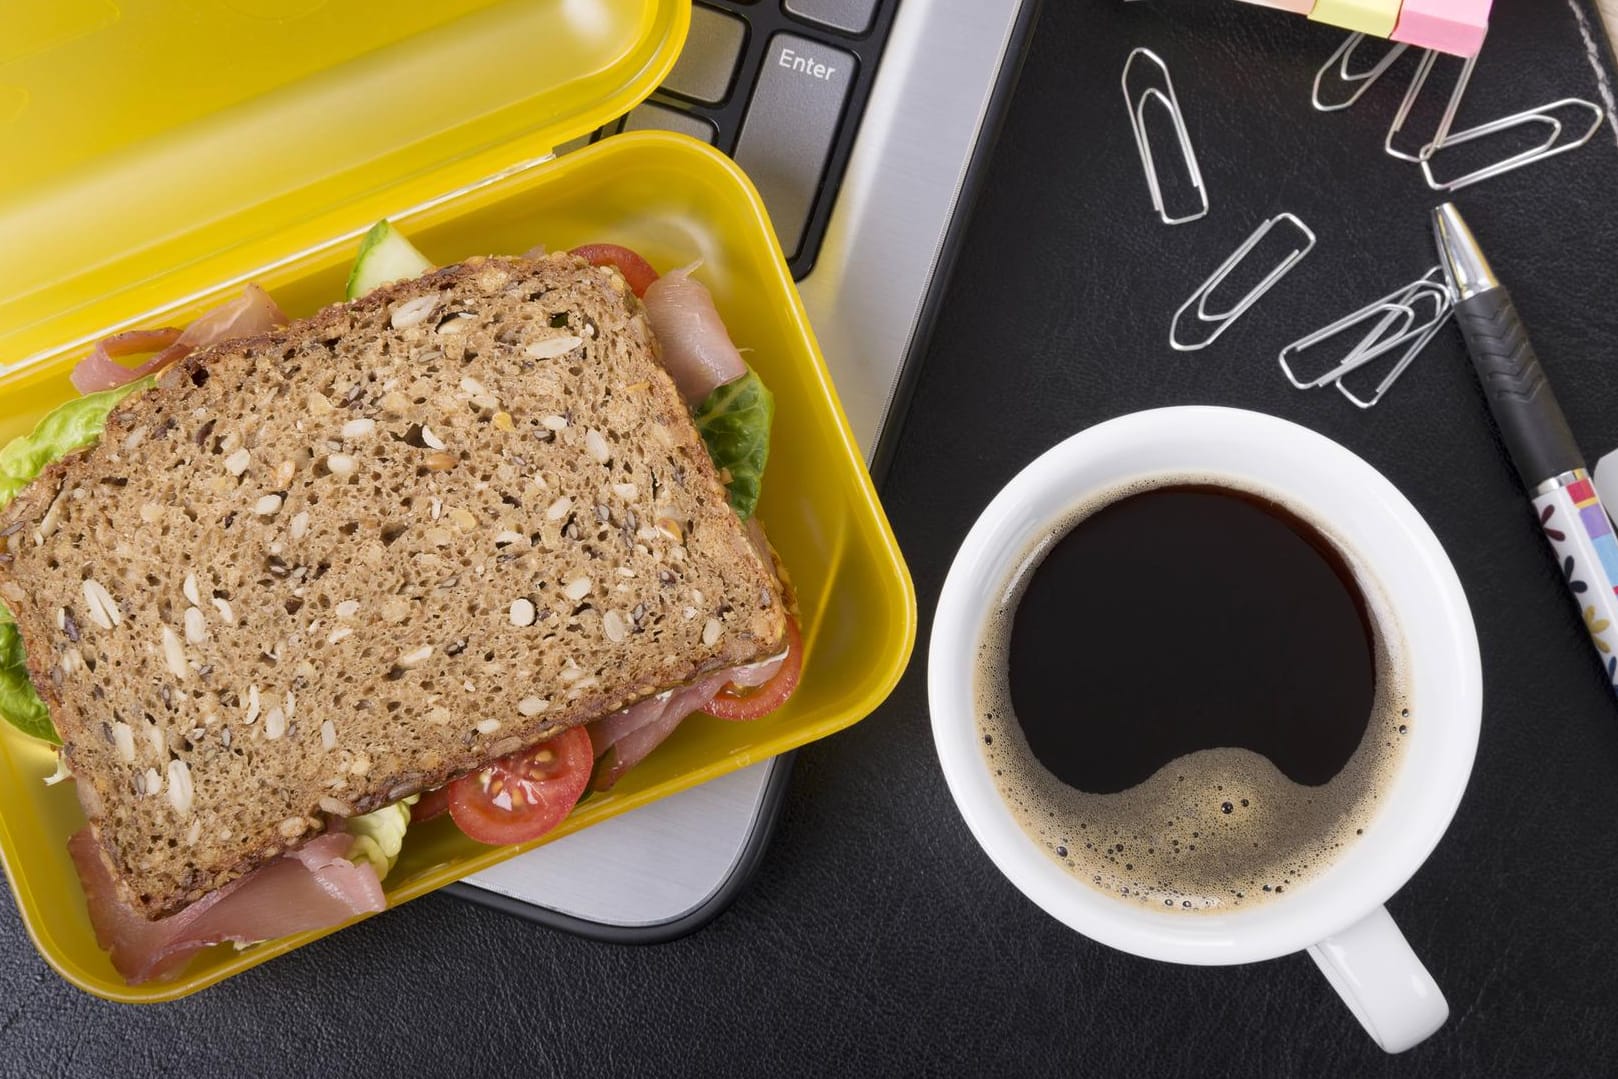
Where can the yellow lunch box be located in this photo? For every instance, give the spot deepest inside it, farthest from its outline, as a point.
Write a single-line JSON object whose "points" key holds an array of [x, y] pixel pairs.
{"points": [[160, 153]]}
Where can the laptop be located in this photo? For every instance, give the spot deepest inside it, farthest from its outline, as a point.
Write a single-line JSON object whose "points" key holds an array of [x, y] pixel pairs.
{"points": [[864, 124]]}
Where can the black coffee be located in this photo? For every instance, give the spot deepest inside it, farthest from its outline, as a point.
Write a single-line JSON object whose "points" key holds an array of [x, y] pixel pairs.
{"points": [[1188, 698], [1191, 618]]}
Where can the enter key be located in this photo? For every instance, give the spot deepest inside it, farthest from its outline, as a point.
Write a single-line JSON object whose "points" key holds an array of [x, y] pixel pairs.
{"points": [[791, 126]]}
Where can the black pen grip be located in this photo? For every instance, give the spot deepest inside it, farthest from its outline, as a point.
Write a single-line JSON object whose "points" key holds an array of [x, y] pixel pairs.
{"points": [[1524, 406]]}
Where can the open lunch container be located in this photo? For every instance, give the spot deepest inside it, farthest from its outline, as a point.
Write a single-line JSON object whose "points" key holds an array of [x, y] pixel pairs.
{"points": [[160, 153]]}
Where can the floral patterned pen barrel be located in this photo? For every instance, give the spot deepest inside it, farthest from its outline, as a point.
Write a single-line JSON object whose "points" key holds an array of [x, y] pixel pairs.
{"points": [[1535, 431]]}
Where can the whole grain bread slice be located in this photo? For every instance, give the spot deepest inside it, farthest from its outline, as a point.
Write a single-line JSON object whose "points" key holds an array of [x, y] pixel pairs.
{"points": [[315, 571]]}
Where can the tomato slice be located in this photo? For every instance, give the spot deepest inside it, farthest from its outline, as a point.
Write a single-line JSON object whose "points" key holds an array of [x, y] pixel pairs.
{"points": [[525, 795], [748, 702], [636, 270], [429, 805]]}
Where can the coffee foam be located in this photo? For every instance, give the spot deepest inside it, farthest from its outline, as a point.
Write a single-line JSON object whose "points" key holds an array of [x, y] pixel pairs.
{"points": [[1214, 830]]}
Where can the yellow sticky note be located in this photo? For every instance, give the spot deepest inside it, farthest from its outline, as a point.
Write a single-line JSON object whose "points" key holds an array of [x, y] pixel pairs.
{"points": [[1376, 17]]}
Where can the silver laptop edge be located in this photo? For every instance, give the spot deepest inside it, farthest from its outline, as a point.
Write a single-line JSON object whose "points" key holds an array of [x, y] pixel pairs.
{"points": [[867, 300]]}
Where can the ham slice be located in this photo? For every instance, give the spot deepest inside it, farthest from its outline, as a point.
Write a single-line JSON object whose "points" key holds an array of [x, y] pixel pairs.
{"points": [[756, 674], [251, 313], [696, 348], [623, 739], [101, 371], [314, 887]]}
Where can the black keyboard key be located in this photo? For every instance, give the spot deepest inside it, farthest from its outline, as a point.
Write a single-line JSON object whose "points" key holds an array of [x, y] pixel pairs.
{"points": [[790, 128], [654, 117], [851, 16], [707, 64]]}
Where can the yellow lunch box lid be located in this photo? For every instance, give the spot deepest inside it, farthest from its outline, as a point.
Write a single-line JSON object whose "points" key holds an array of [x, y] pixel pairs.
{"points": [[157, 148], [162, 152]]}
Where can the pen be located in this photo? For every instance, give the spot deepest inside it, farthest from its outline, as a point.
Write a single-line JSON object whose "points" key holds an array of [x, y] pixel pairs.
{"points": [[1536, 433]]}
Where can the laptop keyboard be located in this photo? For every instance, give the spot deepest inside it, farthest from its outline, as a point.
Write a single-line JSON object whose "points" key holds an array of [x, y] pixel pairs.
{"points": [[780, 86]]}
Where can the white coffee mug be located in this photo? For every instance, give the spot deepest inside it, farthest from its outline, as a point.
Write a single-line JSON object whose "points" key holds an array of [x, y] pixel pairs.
{"points": [[1338, 916]]}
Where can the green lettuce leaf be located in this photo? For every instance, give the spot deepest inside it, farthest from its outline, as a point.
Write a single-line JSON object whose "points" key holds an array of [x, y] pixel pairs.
{"points": [[71, 426], [735, 421], [19, 704]]}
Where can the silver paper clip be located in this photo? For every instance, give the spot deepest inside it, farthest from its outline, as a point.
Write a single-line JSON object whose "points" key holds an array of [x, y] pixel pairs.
{"points": [[1364, 80], [1543, 114], [1398, 312], [1388, 311], [1223, 319], [1417, 83], [1166, 99], [1419, 340], [1395, 309]]}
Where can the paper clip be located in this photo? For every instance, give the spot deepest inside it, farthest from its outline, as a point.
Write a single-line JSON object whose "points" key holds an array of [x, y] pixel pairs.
{"points": [[1398, 312], [1395, 308], [1223, 319], [1419, 340], [1388, 310], [1342, 57], [1417, 83], [1170, 102], [1548, 149]]}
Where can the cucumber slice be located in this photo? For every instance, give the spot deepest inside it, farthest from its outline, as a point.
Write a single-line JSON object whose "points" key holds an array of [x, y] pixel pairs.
{"points": [[385, 256]]}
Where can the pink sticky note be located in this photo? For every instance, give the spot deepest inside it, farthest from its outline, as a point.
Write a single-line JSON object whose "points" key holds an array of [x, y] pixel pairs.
{"points": [[1452, 26], [1299, 7]]}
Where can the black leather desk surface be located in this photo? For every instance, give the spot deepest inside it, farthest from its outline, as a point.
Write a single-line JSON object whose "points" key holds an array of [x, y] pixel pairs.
{"points": [[877, 938]]}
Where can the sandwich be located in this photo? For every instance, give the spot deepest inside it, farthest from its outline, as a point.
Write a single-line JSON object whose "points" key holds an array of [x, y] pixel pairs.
{"points": [[476, 541]]}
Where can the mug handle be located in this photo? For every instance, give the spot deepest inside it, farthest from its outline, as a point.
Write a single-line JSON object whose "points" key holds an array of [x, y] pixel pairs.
{"points": [[1383, 983]]}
